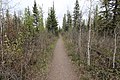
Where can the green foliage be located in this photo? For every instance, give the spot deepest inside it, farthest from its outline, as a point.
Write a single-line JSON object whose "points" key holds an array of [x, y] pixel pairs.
{"points": [[25, 52], [64, 25], [35, 16], [102, 44], [76, 15], [52, 23], [28, 22], [40, 21], [26, 47], [95, 22], [109, 17], [69, 21], [101, 61]]}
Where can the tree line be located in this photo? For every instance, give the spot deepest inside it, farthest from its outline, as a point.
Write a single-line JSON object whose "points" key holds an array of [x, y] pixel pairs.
{"points": [[26, 42], [94, 43]]}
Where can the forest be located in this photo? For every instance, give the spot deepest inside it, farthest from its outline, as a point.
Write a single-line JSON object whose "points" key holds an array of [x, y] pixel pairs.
{"points": [[35, 48]]}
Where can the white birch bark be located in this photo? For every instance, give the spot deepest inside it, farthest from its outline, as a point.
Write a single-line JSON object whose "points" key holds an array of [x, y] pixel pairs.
{"points": [[1, 32], [89, 35], [115, 48], [89, 45], [79, 40]]}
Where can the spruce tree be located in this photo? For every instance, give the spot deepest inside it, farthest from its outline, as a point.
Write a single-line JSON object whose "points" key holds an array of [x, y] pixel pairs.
{"points": [[95, 21], [110, 16], [64, 26], [48, 22], [35, 15], [52, 23], [15, 26], [41, 23], [76, 14], [28, 21], [69, 20], [7, 20]]}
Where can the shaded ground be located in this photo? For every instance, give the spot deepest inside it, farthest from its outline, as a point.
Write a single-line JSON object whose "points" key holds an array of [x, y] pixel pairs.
{"points": [[61, 67]]}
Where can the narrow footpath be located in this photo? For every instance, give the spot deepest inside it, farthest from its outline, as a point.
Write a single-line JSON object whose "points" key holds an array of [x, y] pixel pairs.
{"points": [[61, 67]]}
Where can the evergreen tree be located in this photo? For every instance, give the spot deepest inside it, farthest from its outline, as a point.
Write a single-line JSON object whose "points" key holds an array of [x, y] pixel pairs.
{"points": [[48, 22], [35, 16], [41, 23], [51, 24], [110, 16], [95, 21], [105, 5], [64, 23], [115, 7], [28, 21], [69, 20], [7, 20], [76, 14], [15, 26]]}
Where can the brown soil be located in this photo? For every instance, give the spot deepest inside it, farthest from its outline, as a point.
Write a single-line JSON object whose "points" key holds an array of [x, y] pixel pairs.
{"points": [[61, 67]]}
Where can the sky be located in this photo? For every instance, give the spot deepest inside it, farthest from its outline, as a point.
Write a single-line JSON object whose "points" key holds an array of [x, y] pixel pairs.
{"points": [[61, 6]]}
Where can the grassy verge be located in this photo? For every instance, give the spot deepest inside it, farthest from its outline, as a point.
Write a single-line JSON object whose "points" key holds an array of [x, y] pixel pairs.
{"points": [[99, 69], [75, 59], [40, 69]]}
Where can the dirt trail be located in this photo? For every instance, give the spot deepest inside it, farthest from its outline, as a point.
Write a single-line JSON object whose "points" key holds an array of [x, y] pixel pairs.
{"points": [[61, 67]]}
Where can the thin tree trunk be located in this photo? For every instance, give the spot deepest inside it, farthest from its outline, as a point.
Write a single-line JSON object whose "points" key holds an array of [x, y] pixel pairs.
{"points": [[2, 37], [79, 41], [21, 70], [115, 40], [115, 48], [1, 27], [89, 45], [89, 34]]}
